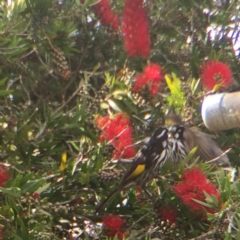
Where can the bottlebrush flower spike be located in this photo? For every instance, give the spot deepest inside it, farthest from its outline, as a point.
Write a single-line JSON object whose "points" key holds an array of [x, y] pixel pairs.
{"points": [[152, 76], [154, 88], [215, 72], [112, 222], [112, 226], [118, 131], [104, 11], [153, 71], [192, 186], [4, 175], [168, 213], [135, 29]]}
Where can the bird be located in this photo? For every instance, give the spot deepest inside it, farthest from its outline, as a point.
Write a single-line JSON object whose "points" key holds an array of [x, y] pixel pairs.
{"points": [[146, 164], [207, 148], [176, 143]]}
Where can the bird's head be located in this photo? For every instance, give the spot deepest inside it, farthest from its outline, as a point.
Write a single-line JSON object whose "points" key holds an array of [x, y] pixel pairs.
{"points": [[173, 119]]}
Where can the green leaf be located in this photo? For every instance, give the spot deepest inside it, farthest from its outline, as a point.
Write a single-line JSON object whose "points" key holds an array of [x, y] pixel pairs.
{"points": [[174, 85], [3, 81], [202, 203], [32, 186], [118, 94], [113, 105], [43, 188], [10, 192], [16, 237], [194, 85], [25, 179], [228, 236], [5, 92], [24, 232], [104, 105], [177, 95], [76, 147], [188, 158], [238, 235], [41, 211], [89, 3]]}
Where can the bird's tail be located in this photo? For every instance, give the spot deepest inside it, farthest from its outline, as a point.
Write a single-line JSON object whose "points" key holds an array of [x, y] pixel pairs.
{"points": [[112, 194]]}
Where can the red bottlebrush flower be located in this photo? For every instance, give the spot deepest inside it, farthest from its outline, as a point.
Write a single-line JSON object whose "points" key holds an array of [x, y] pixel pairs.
{"points": [[112, 226], [141, 81], [215, 72], [135, 29], [193, 185], [106, 14], [196, 176], [118, 131], [152, 76], [154, 88], [4, 175], [112, 222], [168, 213], [36, 195], [154, 72]]}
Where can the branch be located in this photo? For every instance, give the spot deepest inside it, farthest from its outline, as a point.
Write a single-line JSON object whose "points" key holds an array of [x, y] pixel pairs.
{"points": [[205, 235], [129, 160], [215, 159]]}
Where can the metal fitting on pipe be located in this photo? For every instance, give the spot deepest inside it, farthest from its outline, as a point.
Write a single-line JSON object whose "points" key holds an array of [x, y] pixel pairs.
{"points": [[221, 111]]}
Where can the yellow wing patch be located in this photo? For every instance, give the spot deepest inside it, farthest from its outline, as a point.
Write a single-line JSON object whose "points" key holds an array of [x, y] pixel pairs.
{"points": [[139, 169]]}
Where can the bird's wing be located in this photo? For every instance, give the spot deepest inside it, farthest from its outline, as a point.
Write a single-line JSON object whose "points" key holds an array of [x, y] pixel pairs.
{"points": [[207, 147], [150, 154]]}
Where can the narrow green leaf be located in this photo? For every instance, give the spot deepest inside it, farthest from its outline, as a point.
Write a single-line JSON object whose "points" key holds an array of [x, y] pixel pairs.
{"points": [[89, 3], [3, 81], [24, 232], [43, 188], [16, 237], [5, 92], [26, 178], [75, 145], [114, 105], [10, 192], [188, 158], [202, 203], [194, 86], [44, 212], [119, 94], [32, 186], [104, 105]]}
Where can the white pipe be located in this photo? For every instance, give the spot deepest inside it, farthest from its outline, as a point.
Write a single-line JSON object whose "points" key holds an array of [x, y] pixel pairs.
{"points": [[221, 111]]}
